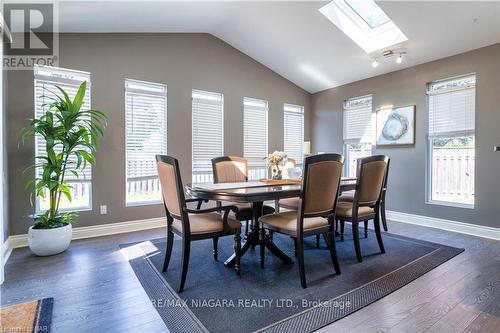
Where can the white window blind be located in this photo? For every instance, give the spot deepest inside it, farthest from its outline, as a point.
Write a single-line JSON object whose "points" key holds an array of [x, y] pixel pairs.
{"points": [[294, 132], [45, 81], [207, 132], [255, 140], [145, 136], [452, 106], [358, 120]]}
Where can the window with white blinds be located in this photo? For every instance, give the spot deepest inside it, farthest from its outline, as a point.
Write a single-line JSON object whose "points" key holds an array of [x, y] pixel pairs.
{"points": [[451, 157], [207, 133], [294, 132], [145, 136], [255, 125], [358, 120], [358, 131], [45, 81]]}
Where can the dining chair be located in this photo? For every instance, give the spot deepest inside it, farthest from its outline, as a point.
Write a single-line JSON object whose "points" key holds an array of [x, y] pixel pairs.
{"points": [[233, 169], [318, 198], [190, 224], [292, 203], [349, 196], [371, 174]]}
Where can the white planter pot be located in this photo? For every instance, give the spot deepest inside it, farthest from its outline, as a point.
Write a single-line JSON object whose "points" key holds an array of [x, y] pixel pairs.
{"points": [[46, 242]]}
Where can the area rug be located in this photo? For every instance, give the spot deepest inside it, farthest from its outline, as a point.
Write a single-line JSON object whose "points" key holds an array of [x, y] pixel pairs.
{"points": [[32, 316], [271, 299]]}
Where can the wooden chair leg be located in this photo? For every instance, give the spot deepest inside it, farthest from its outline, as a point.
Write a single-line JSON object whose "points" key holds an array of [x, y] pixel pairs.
{"points": [[186, 244], [168, 252], [382, 213], [215, 241], [355, 236], [378, 233], [237, 252], [342, 225], [333, 251], [317, 241], [262, 247], [246, 227], [300, 254], [366, 229]]}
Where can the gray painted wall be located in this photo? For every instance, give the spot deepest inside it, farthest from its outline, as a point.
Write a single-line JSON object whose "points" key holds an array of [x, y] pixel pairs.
{"points": [[183, 62], [407, 182]]}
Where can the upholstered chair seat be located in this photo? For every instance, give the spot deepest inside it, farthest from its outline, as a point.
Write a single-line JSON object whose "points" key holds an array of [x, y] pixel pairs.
{"points": [[347, 196], [245, 211], [344, 209], [290, 203], [286, 222], [206, 223]]}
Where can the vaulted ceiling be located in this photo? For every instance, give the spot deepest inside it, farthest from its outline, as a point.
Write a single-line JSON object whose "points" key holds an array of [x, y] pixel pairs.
{"points": [[293, 38]]}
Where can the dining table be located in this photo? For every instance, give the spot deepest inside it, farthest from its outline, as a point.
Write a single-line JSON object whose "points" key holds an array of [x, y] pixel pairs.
{"points": [[255, 193]]}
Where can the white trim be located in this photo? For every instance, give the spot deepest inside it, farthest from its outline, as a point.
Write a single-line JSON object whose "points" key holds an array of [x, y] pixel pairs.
{"points": [[433, 222], [17, 241], [6, 250]]}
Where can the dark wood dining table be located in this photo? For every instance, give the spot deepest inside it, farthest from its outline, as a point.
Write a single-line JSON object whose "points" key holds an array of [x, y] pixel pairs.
{"points": [[254, 193]]}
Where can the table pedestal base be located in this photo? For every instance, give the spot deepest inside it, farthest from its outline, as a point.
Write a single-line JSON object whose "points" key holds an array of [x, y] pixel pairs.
{"points": [[257, 236]]}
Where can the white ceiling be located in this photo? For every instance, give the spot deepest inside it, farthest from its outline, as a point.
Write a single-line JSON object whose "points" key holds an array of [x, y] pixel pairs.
{"points": [[293, 38]]}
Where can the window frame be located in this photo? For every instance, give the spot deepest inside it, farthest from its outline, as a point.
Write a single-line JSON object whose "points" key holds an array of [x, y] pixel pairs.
{"points": [[429, 148], [143, 202], [47, 78]]}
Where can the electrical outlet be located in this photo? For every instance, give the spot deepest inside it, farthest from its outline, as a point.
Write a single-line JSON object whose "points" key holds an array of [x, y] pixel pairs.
{"points": [[104, 209]]}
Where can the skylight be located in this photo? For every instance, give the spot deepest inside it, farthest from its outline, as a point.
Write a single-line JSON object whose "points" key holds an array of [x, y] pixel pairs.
{"points": [[372, 14], [364, 22]]}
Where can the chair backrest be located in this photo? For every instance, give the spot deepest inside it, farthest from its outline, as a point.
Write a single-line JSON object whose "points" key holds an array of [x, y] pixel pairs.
{"points": [[230, 169], [320, 184], [372, 176], [171, 185]]}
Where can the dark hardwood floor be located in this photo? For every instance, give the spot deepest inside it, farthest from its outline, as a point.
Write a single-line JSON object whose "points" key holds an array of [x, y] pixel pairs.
{"points": [[95, 289]]}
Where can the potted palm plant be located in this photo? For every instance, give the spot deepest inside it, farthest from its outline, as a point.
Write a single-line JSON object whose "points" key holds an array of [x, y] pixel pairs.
{"points": [[71, 135]]}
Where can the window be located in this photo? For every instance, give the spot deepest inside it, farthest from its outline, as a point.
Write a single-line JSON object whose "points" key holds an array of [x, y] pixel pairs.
{"points": [[294, 132], [207, 133], [45, 81], [145, 136], [365, 23], [452, 141], [358, 131], [255, 136]]}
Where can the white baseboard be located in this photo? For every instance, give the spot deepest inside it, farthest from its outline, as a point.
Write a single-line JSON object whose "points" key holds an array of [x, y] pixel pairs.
{"points": [[6, 251], [92, 231], [460, 227]]}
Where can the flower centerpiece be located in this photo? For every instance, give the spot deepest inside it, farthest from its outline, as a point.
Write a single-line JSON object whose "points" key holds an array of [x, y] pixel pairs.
{"points": [[276, 161]]}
